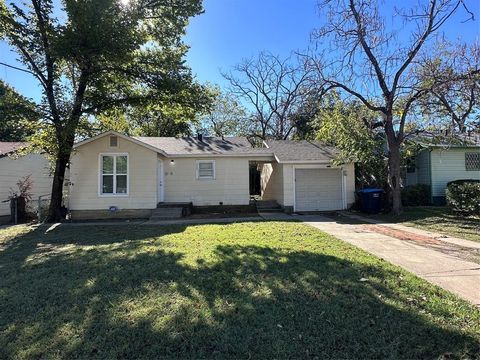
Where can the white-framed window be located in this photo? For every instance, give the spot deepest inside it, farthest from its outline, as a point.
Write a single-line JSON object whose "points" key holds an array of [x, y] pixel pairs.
{"points": [[113, 175], [472, 161], [205, 169]]}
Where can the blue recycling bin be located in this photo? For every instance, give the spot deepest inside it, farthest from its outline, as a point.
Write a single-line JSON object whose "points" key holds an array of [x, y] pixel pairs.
{"points": [[371, 200]]}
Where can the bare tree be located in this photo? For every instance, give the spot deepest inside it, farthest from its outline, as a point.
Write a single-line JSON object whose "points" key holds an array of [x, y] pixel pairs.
{"points": [[374, 64], [452, 74], [276, 88]]}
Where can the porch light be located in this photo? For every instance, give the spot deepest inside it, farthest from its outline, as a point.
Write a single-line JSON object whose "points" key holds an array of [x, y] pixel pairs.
{"points": [[172, 162]]}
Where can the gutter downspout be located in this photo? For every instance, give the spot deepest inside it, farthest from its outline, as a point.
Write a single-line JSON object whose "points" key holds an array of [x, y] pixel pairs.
{"points": [[430, 174]]}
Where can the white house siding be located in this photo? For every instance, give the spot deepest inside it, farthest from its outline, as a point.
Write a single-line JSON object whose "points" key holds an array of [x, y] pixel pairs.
{"points": [[350, 183], [448, 165], [411, 178], [230, 186], [288, 185], [84, 177], [422, 167], [271, 182], [279, 184], [13, 169]]}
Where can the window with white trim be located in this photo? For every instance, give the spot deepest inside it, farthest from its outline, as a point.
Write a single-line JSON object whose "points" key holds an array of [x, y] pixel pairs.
{"points": [[205, 169], [472, 161], [114, 174]]}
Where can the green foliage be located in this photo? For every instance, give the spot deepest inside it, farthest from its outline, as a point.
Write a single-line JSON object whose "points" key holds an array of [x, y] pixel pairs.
{"points": [[347, 126], [304, 118], [17, 115], [464, 197], [462, 181], [416, 195], [226, 116], [95, 56]]}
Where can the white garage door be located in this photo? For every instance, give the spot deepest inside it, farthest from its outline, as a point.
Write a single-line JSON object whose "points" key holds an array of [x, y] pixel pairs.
{"points": [[318, 189]]}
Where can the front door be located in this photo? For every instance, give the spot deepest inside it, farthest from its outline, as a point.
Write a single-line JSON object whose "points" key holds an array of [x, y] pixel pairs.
{"points": [[160, 190]]}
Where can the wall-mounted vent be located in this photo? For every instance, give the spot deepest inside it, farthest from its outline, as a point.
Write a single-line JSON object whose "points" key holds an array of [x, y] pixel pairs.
{"points": [[113, 141]]}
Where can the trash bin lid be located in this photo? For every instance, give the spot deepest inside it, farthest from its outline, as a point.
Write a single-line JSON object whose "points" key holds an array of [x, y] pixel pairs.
{"points": [[372, 190]]}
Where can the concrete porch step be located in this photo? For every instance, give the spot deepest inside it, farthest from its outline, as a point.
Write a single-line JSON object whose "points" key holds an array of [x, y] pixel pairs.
{"points": [[271, 203], [268, 206], [173, 204], [167, 213], [270, 210]]}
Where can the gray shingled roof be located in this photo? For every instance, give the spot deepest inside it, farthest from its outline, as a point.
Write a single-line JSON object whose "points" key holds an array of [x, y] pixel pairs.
{"points": [[208, 145], [7, 147], [303, 150], [439, 139]]}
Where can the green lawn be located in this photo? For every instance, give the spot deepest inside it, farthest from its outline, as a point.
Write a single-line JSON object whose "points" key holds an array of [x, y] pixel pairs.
{"points": [[247, 290], [438, 219]]}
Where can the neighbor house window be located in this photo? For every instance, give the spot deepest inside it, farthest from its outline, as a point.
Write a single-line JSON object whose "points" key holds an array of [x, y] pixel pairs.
{"points": [[114, 174], [472, 161], [205, 169], [411, 166]]}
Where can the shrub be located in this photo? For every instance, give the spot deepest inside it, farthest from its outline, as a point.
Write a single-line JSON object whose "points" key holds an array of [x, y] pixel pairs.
{"points": [[464, 197], [416, 195], [462, 181]]}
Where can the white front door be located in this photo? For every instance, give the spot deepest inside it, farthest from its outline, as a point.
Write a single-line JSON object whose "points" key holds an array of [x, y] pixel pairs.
{"points": [[160, 190]]}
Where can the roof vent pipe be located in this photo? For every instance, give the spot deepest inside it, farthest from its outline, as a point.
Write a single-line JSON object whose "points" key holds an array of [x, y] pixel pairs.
{"points": [[200, 137]]}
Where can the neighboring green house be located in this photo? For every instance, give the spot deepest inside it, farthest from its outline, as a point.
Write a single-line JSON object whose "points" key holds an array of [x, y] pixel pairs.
{"points": [[437, 164]]}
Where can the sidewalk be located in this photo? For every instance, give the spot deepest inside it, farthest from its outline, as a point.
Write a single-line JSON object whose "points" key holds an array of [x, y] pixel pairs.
{"points": [[452, 273]]}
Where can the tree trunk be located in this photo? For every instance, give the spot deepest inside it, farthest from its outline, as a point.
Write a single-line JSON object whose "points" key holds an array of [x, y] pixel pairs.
{"points": [[65, 139], [394, 177], [394, 162], [61, 162]]}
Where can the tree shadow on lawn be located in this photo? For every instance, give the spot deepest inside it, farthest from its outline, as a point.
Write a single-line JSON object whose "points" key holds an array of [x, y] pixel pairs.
{"points": [[138, 300]]}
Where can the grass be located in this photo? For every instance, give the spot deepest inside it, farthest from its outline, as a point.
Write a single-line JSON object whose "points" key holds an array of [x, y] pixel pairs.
{"points": [[438, 219], [245, 290]]}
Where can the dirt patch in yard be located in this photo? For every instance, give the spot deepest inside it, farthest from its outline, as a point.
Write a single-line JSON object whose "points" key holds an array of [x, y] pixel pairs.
{"points": [[402, 235], [465, 253]]}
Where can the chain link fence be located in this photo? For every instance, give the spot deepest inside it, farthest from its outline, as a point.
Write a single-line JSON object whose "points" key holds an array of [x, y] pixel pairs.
{"points": [[40, 206]]}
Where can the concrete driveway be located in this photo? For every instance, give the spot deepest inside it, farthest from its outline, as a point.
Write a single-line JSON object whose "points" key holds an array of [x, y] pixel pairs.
{"points": [[451, 269]]}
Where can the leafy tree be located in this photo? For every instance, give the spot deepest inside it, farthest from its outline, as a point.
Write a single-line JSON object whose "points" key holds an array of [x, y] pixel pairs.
{"points": [[226, 117], [350, 127], [363, 56], [17, 115], [92, 56], [305, 116], [155, 119]]}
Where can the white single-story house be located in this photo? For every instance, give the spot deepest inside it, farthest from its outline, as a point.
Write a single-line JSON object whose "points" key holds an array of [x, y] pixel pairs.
{"points": [[437, 164], [14, 168], [302, 178], [114, 175]]}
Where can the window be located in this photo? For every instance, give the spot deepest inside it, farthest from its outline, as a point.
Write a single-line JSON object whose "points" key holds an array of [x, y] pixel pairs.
{"points": [[113, 141], [114, 174], [411, 165], [472, 161], [205, 169]]}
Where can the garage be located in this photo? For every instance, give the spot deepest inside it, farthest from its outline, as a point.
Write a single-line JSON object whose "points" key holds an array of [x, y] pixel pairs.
{"points": [[318, 189]]}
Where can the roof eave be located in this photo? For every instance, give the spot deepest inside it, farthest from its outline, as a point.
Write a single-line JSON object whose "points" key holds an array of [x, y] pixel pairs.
{"points": [[304, 161], [169, 155], [125, 137]]}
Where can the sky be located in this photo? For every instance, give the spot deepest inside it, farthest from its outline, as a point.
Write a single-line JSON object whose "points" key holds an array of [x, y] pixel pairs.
{"points": [[231, 30]]}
